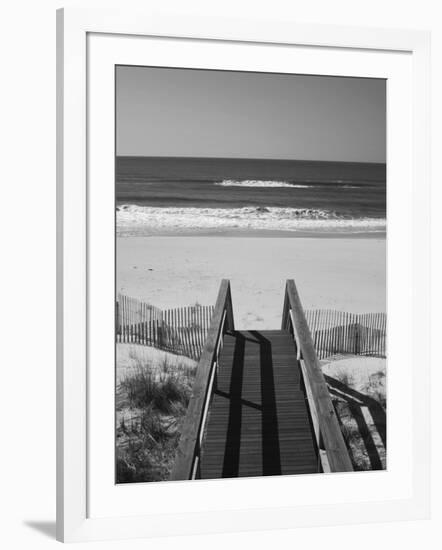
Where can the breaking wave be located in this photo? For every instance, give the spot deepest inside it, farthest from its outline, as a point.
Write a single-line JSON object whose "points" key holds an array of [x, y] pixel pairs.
{"points": [[260, 183], [306, 184], [144, 220]]}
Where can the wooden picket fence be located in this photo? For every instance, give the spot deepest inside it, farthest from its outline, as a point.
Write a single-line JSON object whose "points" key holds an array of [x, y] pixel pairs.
{"points": [[180, 330], [184, 330], [338, 332]]}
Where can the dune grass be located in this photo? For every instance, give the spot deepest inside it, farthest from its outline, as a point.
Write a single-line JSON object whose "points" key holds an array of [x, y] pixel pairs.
{"points": [[151, 402]]}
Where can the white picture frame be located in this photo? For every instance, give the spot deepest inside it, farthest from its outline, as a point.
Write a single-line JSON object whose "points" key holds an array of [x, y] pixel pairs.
{"points": [[77, 519]]}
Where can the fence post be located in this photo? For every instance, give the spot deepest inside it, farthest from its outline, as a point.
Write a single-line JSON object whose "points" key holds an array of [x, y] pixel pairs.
{"points": [[357, 338]]}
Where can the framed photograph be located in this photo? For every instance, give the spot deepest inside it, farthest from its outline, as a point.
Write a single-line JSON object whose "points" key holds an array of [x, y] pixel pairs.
{"points": [[243, 284]]}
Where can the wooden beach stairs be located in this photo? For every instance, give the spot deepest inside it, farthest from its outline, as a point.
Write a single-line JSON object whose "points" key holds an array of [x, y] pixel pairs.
{"points": [[260, 404]]}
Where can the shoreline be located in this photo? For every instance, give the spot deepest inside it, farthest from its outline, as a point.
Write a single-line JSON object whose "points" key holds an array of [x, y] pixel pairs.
{"points": [[258, 234]]}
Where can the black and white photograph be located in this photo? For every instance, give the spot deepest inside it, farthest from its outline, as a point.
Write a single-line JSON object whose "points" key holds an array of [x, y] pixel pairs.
{"points": [[221, 274], [250, 295]]}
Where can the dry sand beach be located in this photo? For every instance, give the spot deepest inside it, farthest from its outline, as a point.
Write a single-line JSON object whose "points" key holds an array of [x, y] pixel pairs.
{"points": [[347, 274]]}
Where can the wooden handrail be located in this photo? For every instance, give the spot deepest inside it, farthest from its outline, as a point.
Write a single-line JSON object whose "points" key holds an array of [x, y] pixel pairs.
{"points": [[187, 458], [321, 406]]}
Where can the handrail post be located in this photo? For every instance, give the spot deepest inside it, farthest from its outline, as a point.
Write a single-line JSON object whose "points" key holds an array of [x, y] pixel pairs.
{"points": [[229, 308], [285, 310]]}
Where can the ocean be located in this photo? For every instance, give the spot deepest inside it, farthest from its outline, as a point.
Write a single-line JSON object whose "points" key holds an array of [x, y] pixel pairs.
{"points": [[207, 196]]}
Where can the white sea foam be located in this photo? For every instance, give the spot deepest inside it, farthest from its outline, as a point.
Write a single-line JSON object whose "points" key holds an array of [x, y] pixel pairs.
{"points": [[259, 183], [139, 220]]}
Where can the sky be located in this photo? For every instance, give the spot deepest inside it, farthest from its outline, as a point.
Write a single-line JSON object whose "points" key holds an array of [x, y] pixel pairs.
{"points": [[201, 113]]}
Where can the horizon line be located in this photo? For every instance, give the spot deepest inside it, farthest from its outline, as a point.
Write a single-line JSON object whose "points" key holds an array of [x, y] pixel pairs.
{"points": [[251, 158]]}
